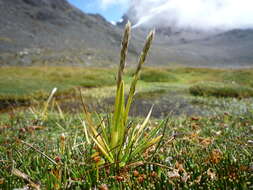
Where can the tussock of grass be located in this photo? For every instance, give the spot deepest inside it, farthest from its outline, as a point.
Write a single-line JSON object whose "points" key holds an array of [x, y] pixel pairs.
{"points": [[221, 90], [157, 75], [122, 143]]}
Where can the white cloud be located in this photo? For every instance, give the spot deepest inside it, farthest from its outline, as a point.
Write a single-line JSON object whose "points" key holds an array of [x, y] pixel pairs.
{"points": [[198, 14], [113, 23], [106, 3]]}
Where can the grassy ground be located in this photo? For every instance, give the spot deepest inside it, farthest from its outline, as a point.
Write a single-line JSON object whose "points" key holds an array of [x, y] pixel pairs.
{"points": [[198, 153], [21, 84], [27, 80], [208, 145]]}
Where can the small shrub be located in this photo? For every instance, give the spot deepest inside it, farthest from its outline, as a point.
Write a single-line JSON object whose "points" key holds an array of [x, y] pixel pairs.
{"points": [[221, 90]]}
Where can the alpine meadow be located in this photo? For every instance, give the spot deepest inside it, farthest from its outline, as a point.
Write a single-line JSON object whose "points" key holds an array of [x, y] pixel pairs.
{"points": [[148, 102]]}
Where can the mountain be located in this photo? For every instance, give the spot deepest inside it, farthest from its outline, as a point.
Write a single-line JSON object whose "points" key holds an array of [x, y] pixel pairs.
{"points": [[223, 49], [55, 32], [49, 23]]}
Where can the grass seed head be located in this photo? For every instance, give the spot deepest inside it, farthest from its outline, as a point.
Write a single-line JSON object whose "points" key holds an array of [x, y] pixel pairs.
{"points": [[123, 53], [145, 51]]}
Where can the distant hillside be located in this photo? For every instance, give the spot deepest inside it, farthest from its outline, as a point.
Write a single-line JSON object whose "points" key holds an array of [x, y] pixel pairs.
{"points": [[54, 32], [50, 23], [225, 49], [43, 26]]}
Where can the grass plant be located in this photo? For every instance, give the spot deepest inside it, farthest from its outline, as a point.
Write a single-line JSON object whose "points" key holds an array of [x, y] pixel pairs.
{"points": [[120, 141]]}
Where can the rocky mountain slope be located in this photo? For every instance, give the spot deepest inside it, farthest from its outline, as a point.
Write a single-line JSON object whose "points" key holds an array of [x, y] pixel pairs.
{"points": [[224, 49], [55, 32]]}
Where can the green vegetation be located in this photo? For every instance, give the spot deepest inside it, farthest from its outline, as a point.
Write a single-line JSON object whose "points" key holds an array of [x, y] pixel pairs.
{"points": [[21, 85], [157, 75], [26, 80], [221, 90], [198, 152]]}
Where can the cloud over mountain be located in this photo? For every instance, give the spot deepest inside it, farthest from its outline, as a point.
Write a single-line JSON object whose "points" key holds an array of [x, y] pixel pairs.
{"points": [[195, 14]]}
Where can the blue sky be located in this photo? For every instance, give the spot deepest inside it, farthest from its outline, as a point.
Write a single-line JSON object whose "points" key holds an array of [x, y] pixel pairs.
{"points": [[112, 12]]}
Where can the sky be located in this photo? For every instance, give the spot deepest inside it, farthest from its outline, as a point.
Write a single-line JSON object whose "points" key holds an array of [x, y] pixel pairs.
{"points": [[112, 10]]}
